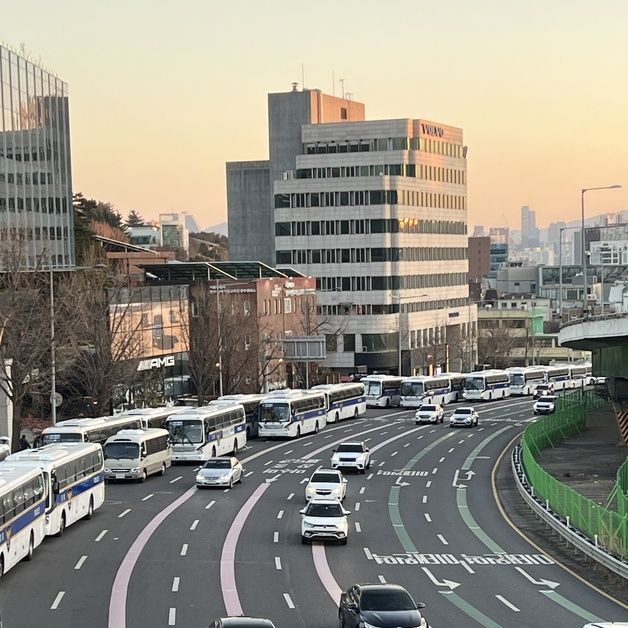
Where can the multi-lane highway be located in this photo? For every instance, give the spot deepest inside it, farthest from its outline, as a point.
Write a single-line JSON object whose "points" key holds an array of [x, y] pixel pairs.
{"points": [[163, 553]]}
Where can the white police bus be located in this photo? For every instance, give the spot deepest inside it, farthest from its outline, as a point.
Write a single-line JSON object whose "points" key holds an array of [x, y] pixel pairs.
{"points": [[292, 413], [152, 417], [198, 434], [344, 401], [415, 391], [382, 391], [250, 403], [559, 376], [524, 379], [22, 513], [74, 479], [487, 385], [96, 430], [581, 375]]}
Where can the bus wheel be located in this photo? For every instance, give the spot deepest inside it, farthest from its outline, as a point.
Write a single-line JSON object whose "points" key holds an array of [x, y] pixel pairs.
{"points": [[316, 428], [387, 403], [213, 452], [355, 413], [337, 417], [90, 509], [235, 446], [248, 433], [61, 525], [163, 469], [31, 548], [1, 566], [144, 476], [298, 431]]}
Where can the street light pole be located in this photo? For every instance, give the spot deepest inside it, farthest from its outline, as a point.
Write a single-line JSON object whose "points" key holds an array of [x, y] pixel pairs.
{"points": [[219, 338], [584, 261], [53, 358]]}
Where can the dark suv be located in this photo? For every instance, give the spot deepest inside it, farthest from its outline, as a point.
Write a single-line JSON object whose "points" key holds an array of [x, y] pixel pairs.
{"points": [[381, 606]]}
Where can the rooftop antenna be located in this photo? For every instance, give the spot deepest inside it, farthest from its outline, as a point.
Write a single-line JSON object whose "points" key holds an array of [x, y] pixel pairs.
{"points": [[302, 77], [333, 83], [349, 95], [342, 85]]}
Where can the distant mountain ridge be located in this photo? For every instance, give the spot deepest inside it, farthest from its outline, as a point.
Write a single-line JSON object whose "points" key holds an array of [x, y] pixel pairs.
{"points": [[222, 228]]}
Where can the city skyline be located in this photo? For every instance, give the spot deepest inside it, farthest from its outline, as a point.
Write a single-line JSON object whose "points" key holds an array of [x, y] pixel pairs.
{"points": [[157, 106]]}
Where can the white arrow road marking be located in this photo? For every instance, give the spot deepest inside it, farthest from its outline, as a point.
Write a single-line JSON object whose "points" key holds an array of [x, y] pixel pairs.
{"points": [[400, 483], [455, 482], [510, 605], [444, 583], [539, 583]]}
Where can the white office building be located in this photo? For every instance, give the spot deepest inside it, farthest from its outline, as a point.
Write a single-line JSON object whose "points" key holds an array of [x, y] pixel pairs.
{"points": [[377, 212]]}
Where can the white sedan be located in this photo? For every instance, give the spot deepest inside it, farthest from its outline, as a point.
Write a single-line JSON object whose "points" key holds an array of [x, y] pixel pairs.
{"points": [[222, 471], [429, 413], [465, 416], [326, 483]]}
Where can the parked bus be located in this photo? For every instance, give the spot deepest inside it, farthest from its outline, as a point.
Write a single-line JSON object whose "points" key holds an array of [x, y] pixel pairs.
{"points": [[198, 434], [251, 409], [457, 382], [89, 430], [344, 401], [292, 413], [74, 481], [136, 454], [524, 380], [581, 375], [426, 389], [22, 513], [152, 417], [382, 391], [487, 385], [559, 376]]}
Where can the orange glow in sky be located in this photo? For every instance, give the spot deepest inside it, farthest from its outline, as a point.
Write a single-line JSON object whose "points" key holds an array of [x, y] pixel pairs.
{"points": [[162, 94]]}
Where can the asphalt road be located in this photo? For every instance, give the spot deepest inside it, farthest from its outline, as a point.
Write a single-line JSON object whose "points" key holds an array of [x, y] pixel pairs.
{"points": [[165, 554]]}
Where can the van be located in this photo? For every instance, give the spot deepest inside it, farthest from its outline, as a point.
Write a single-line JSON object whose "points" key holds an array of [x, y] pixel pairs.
{"points": [[136, 454]]}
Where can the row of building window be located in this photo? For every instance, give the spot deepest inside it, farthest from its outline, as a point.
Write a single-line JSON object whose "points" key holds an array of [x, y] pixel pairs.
{"points": [[50, 205], [362, 198], [27, 178], [369, 309], [366, 255], [395, 282], [34, 233], [372, 225], [18, 153], [428, 145], [419, 171]]}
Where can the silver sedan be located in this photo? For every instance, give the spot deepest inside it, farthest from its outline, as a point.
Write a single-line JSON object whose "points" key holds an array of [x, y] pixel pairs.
{"points": [[222, 471]]}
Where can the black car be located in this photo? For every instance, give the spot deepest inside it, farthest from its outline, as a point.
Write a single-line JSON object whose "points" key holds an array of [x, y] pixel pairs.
{"points": [[380, 606], [242, 622]]}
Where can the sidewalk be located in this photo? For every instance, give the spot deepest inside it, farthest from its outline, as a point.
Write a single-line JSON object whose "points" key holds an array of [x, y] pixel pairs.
{"points": [[588, 462]]}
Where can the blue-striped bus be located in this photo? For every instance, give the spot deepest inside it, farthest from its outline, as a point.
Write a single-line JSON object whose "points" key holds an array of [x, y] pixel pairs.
{"points": [[74, 478], [524, 379], [382, 391], [250, 403], [487, 385], [199, 434], [22, 513], [292, 413], [426, 389], [344, 401], [559, 376]]}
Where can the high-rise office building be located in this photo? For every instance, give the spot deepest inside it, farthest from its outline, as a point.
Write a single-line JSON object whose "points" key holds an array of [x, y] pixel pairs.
{"points": [[250, 204], [36, 215], [529, 231], [377, 211]]}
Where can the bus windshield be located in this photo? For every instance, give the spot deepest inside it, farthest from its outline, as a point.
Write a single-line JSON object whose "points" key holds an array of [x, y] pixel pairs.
{"points": [[119, 451], [60, 437], [475, 383], [274, 412], [518, 379], [186, 431], [412, 389], [373, 389]]}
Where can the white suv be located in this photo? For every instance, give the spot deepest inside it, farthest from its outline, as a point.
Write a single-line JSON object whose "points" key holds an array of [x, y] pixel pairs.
{"points": [[545, 404], [324, 519], [431, 413], [353, 455], [326, 483], [464, 415]]}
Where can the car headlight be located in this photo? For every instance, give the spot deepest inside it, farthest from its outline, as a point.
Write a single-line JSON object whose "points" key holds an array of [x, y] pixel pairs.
{"points": [[136, 470], [335, 458], [107, 470], [306, 524], [199, 478], [337, 490], [310, 490]]}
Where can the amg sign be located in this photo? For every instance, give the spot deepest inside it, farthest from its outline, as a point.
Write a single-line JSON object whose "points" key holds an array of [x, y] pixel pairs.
{"points": [[155, 363], [430, 129]]}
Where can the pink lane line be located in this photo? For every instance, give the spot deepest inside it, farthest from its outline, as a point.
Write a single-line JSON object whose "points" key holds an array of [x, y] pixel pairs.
{"points": [[227, 558], [117, 602], [324, 572]]}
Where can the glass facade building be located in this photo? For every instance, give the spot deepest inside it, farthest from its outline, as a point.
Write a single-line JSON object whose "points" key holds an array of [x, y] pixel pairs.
{"points": [[36, 216]]}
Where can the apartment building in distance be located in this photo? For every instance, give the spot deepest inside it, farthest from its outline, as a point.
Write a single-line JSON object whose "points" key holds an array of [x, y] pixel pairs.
{"points": [[377, 212], [36, 216]]}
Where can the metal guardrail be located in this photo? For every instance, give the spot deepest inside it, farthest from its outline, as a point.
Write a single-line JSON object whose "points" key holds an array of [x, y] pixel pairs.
{"points": [[543, 510], [593, 319]]}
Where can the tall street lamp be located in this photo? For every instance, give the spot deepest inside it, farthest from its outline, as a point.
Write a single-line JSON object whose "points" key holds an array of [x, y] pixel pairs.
{"points": [[583, 259]]}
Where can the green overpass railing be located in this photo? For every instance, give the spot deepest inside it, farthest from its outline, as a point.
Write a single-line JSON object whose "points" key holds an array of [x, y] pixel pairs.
{"points": [[609, 527]]}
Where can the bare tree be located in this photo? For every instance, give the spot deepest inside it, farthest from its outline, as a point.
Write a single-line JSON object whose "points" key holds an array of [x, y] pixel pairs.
{"points": [[495, 344]]}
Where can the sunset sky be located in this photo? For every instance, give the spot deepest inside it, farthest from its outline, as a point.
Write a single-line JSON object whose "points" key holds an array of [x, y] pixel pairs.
{"points": [[162, 93]]}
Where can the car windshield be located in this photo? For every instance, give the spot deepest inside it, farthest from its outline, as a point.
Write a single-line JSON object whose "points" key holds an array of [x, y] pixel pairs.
{"points": [[475, 383], [118, 451], [324, 510], [372, 389], [325, 477], [464, 411], [548, 398], [349, 448], [186, 431], [217, 463], [412, 389], [427, 408], [386, 601], [273, 412]]}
